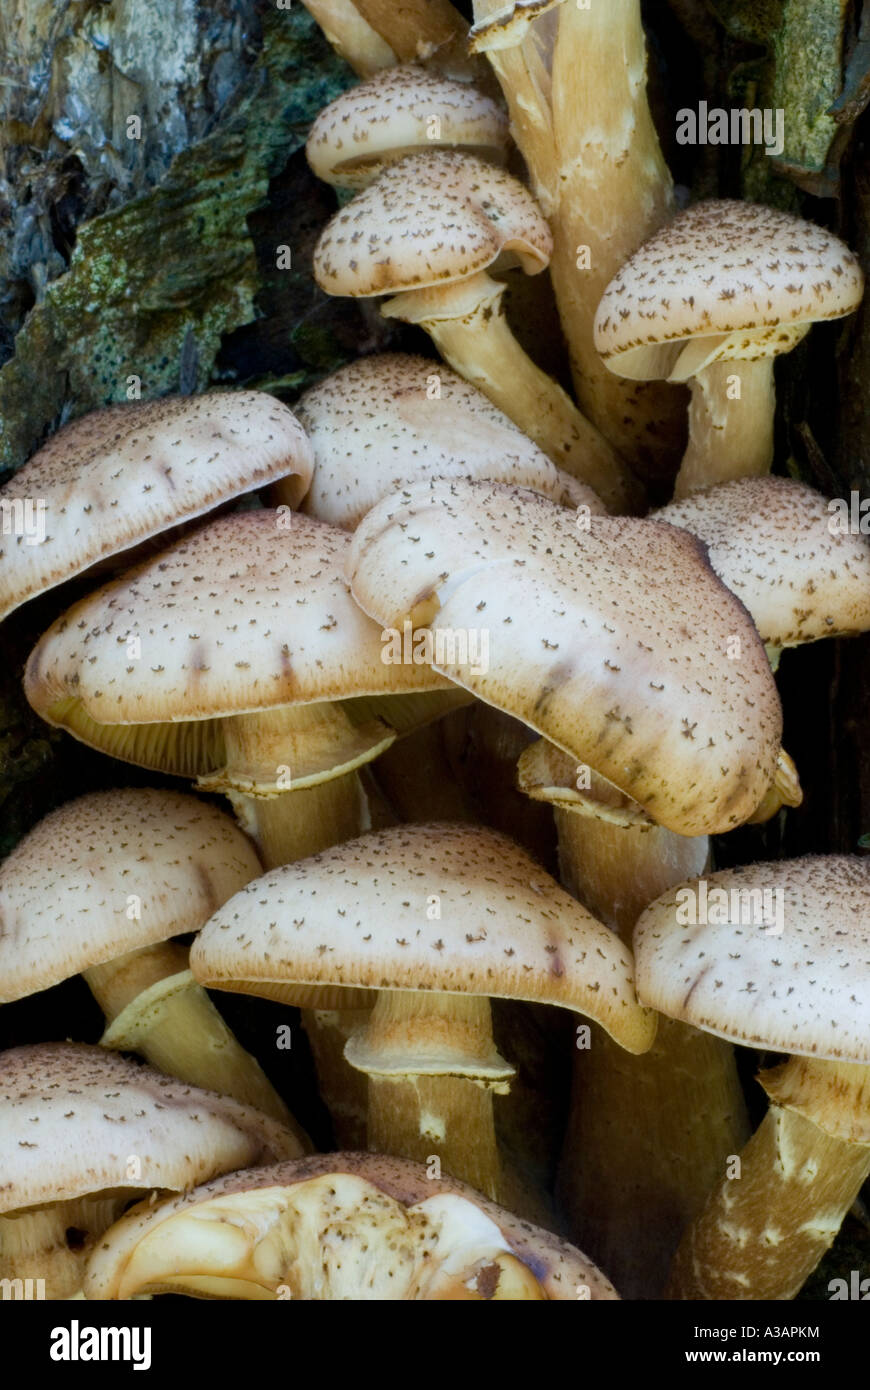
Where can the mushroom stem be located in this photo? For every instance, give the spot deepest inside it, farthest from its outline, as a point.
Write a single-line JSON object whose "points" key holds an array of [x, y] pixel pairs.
{"points": [[432, 1067], [154, 1006], [271, 751], [730, 435], [467, 323], [597, 170], [764, 1230], [648, 1137], [53, 1243]]}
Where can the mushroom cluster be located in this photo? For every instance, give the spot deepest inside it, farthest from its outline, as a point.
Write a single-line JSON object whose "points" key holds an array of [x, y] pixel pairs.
{"points": [[444, 720]]}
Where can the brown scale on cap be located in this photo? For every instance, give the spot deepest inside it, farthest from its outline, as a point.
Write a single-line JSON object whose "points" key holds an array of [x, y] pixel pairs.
{"points": [[374, 428], [430, 219], [392, 114], [64, 890], [721, 267], [776, 545], [357, 915], [339, 1226], [613, 641], [119, 476]]}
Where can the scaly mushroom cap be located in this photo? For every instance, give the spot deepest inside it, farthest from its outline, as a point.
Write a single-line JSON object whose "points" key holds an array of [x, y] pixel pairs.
{"points": [[614, 640], [374, 427], [508, 26], [66, 889], [72, 1117], [335, 1227], [251, 612], [430, 219], [804, 989], [771, 541], [113, 478], [720, 268], [455, 908], [399, 110]]}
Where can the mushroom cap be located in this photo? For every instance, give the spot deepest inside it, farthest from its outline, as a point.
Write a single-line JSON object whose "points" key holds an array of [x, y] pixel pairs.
{"points": [[455, 908], [334, 1227], [723, 267], [770, 540], [392, 113], [66, 887], [72, 1116], [430, 219], [374, 428], [612, 639], [251, 612], [804, 990], [509, 26], [115, 477]]}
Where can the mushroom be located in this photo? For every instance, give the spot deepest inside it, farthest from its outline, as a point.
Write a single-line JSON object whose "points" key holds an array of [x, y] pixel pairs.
{"points": [[610, 639], [258, 676], [119, 476], [437, 918], [574, 78], [776, 956], [392, 419], [613, 642], [82, 1131], [335, 1227], [400, 110], [99, 886], [772, 542], [426, 231], [712, 299]]}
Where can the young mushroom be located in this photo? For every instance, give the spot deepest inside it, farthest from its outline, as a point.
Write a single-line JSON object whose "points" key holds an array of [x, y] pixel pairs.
{"points": [[82, 1131], [122, 475], [426, 231], [776, 956], [612, 639], [334, 1227], [392, 419], [437, 918], [100, 886], [712, 300], [396, 112]]}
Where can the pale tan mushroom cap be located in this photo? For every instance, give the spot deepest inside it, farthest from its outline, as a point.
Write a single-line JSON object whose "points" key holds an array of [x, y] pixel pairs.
{"points": [[378, 424], [454, 908], [118, 476], [72, 1117], [430, 219], [109, 873], [612, 640], [336, 1227], [771, 541], [399, 110], [249, 613], [805, 990], [722, 267]]}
